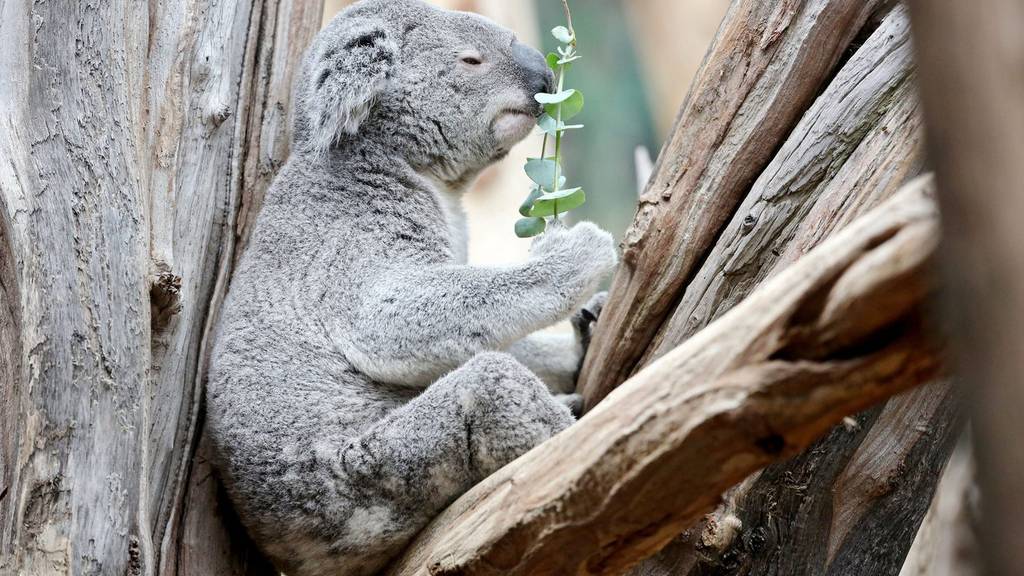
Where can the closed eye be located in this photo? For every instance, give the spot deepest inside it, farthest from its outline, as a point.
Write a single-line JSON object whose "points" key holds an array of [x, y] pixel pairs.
{"points": [[471, 60]]}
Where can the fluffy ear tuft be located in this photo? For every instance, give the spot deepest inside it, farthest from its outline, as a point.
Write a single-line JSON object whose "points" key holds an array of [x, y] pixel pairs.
{"points": [[343, 73]]}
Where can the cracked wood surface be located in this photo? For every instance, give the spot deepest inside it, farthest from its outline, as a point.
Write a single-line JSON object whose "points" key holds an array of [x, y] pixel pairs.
{"points": [[766, 65], [659, 452], [124, 133], [796, 517]]}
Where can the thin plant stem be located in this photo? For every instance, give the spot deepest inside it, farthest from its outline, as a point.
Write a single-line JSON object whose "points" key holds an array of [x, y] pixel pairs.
{"points": [[568, 19], [558, 139]]}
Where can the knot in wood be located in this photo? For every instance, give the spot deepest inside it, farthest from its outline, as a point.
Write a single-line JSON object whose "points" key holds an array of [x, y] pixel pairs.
{"points": [[748, 223]]}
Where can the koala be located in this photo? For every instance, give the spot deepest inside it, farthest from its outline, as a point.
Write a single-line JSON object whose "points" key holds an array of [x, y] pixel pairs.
{"points": [[363, 374]]}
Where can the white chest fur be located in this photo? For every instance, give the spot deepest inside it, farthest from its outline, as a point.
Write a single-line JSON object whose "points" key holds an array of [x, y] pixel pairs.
{"points": [[455, 216]]}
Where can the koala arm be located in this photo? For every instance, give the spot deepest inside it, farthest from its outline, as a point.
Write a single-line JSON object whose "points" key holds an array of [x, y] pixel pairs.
{"points": [[553, 357], [417, 322]]}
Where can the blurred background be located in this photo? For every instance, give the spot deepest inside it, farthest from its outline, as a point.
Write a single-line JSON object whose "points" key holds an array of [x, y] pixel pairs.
{"points": [[639, 58]]}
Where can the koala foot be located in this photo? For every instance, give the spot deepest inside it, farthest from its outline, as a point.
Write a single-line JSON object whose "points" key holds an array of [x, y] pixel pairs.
{"points": [[573, 401], [585, 318]]}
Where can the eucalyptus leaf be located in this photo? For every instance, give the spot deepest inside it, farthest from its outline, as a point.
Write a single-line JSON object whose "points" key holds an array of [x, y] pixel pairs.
{"points": [[527, 204], [547, 124], [553, 59], [547, 207], [570, 106], [541, 170], [557, 98], [561, 33], [559, 194], [529, 227]]}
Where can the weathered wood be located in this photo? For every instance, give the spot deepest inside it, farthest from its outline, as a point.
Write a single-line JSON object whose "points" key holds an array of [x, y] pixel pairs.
{"points": [[767, 64], [72, 180], [814, 185], [123, 127], [203, 535], [849, 505], [972, 90], [853, 148], [607, 492]]}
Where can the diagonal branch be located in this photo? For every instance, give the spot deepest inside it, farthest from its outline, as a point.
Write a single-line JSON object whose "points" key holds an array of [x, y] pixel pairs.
{"points": [[823, 339]]}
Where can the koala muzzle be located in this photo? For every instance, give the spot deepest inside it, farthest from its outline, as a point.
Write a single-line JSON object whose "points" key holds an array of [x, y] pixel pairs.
{"points": [[536, 74]]}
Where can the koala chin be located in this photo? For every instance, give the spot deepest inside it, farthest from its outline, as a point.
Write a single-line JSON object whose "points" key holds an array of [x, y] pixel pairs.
{"points": [[363, 375]]}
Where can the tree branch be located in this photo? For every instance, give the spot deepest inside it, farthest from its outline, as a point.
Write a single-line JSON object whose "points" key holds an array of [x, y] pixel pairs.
{"points": [[609, 491], [765, 67]]}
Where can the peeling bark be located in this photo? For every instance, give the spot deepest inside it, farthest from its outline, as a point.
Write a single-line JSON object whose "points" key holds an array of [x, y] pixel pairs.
{"points": [[852, 148]]}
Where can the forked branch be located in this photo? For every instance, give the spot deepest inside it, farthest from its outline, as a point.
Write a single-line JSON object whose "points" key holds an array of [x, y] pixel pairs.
{"points": [[833, 334]]}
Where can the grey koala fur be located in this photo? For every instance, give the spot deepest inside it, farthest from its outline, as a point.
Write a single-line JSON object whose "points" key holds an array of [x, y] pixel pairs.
{"points": [[364, 376]]}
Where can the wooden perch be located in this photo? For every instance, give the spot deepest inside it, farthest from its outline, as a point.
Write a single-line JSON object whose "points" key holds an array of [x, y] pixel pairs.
{"points": [[766, 65], [851, 502], [823, 339]]}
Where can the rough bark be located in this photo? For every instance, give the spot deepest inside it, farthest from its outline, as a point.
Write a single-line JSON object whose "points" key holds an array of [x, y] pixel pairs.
{"points": [[854, 145], [768, 62], [759, 384], [849, 505], [853, 148], [123, 131], [972, 89]]}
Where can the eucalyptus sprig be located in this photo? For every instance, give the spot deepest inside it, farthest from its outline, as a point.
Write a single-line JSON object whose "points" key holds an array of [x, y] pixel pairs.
{"points": [[548, 197]]}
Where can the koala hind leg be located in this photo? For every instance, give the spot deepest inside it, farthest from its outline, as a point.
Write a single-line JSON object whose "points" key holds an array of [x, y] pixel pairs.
{"points": [[422, 456]]}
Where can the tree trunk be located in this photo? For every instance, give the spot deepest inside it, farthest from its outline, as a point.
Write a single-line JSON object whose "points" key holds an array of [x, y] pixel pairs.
{"points": [[130, 133], [972, 79]]}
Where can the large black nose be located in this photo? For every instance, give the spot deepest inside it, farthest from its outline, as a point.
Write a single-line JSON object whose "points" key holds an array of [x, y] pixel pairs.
{"points": [[536, 73]]}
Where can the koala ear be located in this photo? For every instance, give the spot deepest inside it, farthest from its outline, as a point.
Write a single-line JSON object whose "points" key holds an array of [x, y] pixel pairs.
{"points": [[344, 72]]}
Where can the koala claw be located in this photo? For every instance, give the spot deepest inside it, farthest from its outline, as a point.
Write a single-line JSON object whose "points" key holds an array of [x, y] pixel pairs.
{"points": [[573, 401], [584, 319]]}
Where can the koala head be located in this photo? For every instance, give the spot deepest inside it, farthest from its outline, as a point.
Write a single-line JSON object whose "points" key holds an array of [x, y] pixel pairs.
{"points": [[449, 91]]}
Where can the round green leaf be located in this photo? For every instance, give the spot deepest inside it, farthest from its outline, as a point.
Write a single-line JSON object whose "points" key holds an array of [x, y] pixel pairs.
{"points": [[553, 59], [559, 194], [547, 124], [541, 170], [558, 201], [573, 105], [558, 98], [529, 227], [561, 33], [527, 204]]}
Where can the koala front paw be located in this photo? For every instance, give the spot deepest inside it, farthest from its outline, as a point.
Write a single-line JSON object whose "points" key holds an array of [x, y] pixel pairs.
{"points": [[584, 319], [585, 251]]}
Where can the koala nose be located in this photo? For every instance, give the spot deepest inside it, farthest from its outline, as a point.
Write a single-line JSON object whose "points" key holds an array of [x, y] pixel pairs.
{"points": [[539, 78]]}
